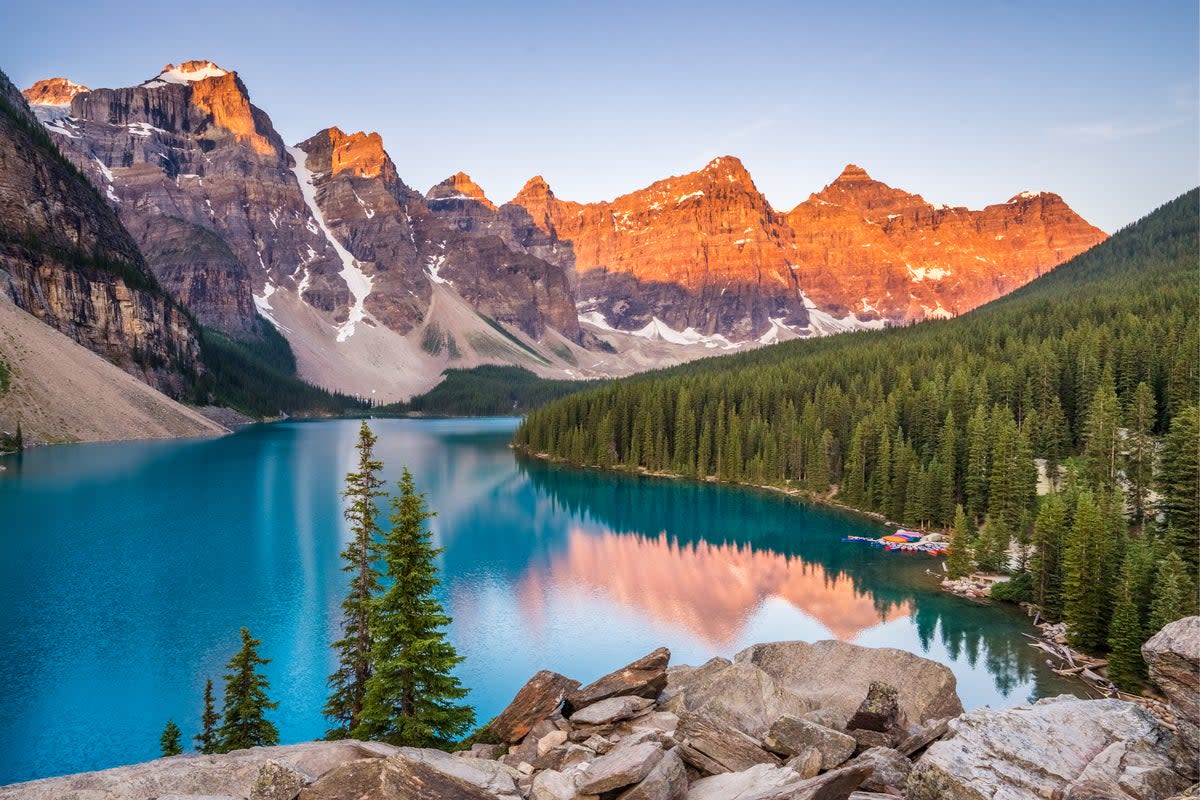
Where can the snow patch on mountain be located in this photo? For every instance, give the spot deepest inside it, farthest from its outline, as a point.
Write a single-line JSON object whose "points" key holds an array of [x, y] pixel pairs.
{"points": [[357, 281]]}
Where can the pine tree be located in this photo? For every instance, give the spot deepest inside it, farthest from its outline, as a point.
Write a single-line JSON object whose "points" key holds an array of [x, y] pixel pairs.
{"points": [[1139, 464], [246, 701], [1179, 485], [169, 741], [1083, 568], [991, 549], [1049, 530], [1126, 668], [411, 694], [958, 560], [1174, 594], [348, 683], [1100, 442], [206, 739]]}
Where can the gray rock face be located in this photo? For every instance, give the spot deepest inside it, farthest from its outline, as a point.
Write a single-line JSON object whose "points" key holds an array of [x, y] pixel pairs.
{"points": [[790, 736], [666, 781], [833, 674], [780, 783], [890, 769], [712, 747], [1046, 748], [740, 694], [623, 766], [1173, 655], [612, 709], [234, 774], [878, 710]]}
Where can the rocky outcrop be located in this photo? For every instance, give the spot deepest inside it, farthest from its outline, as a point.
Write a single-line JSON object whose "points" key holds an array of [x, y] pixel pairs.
{"points": [[1173, 655], [626, 746], [53, 92], [66, 259], [1063, 747]]}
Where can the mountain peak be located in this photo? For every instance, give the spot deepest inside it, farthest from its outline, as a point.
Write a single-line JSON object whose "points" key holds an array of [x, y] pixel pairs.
{"points": [[186, 72], [853, 174], [459, 186], [360, 152], [729, 168], [53, 92]]}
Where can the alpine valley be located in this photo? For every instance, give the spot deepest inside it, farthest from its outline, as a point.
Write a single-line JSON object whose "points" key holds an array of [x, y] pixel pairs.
{"points": [[378, 288]]}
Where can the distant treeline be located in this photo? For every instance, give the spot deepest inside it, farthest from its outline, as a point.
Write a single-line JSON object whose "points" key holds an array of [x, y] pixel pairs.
{"points": [[488, 390], [1094, 366]]}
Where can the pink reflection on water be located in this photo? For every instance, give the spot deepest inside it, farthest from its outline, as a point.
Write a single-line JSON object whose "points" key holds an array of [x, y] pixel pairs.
{"points": [[711, 590]]}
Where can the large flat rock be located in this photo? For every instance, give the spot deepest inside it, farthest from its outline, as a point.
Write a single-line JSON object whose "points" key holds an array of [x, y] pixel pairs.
{"points": [[229, 775], [645, 677], [1056, 747], [833, 674]]}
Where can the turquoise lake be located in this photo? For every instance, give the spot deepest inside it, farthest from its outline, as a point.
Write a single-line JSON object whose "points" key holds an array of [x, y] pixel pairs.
{"points": [[127, 569]]}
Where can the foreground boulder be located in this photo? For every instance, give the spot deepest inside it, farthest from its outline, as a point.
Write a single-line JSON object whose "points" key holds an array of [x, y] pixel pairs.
{"points": [[230, 775], [1173, 655], [1058, 747], [838, 675], [535, 701], [645, 677]]}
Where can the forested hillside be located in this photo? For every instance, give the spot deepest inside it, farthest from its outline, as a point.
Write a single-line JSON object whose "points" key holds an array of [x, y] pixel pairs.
{"points": [[1093, 367]]}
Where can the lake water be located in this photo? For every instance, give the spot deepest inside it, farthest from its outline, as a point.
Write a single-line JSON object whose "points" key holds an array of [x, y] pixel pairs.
{"points": [[127, 569]]}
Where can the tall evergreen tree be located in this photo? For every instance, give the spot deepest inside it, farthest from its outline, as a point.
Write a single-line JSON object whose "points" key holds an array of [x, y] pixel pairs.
{"points": [[1100, 439], [1139, 463], [169, 741], [243, 724], [412, 695], [1083, 590], [1174, 594], [1049, 531], [348, 683], [1179, 485], [1126, 633], [958, 560], [206, 739]]}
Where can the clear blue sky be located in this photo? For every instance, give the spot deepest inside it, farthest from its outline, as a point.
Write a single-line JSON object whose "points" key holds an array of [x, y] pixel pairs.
{"points": [[965, 103]]}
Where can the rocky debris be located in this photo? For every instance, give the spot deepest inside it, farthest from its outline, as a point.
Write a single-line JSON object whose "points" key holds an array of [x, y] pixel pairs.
{"points": [[834, 674], [1048, 748], [790, 736], [644, 677], [630, 747], [536, 700], [612, 709], [891, 769], [878, 710], [1173, 655]]}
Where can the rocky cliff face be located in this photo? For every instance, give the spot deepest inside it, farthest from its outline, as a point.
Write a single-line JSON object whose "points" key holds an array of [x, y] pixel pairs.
{"points": [[706, 250], [702, 251], [183, 155], [863, 247], [66, 259]]}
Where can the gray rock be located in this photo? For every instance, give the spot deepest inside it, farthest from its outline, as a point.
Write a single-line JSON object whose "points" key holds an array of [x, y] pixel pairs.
{"points": [[713, 748], [740, 695], [680, 677], [612, 709], [923, 736], [645, 677], [550, 741], [666, 781], [1040, 750], [552, 785], [829, 717], [497, 779], [806, 764], [878, 710], [832, 674], [790, 736], [1173, 655], [868, 739], [779, 783], [487, 751], [229, 775], [278, 781], [890, 769], [623, 766]]}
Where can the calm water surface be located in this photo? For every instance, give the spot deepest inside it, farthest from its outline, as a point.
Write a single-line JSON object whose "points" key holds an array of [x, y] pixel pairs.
{"points": [[127, 569]]}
